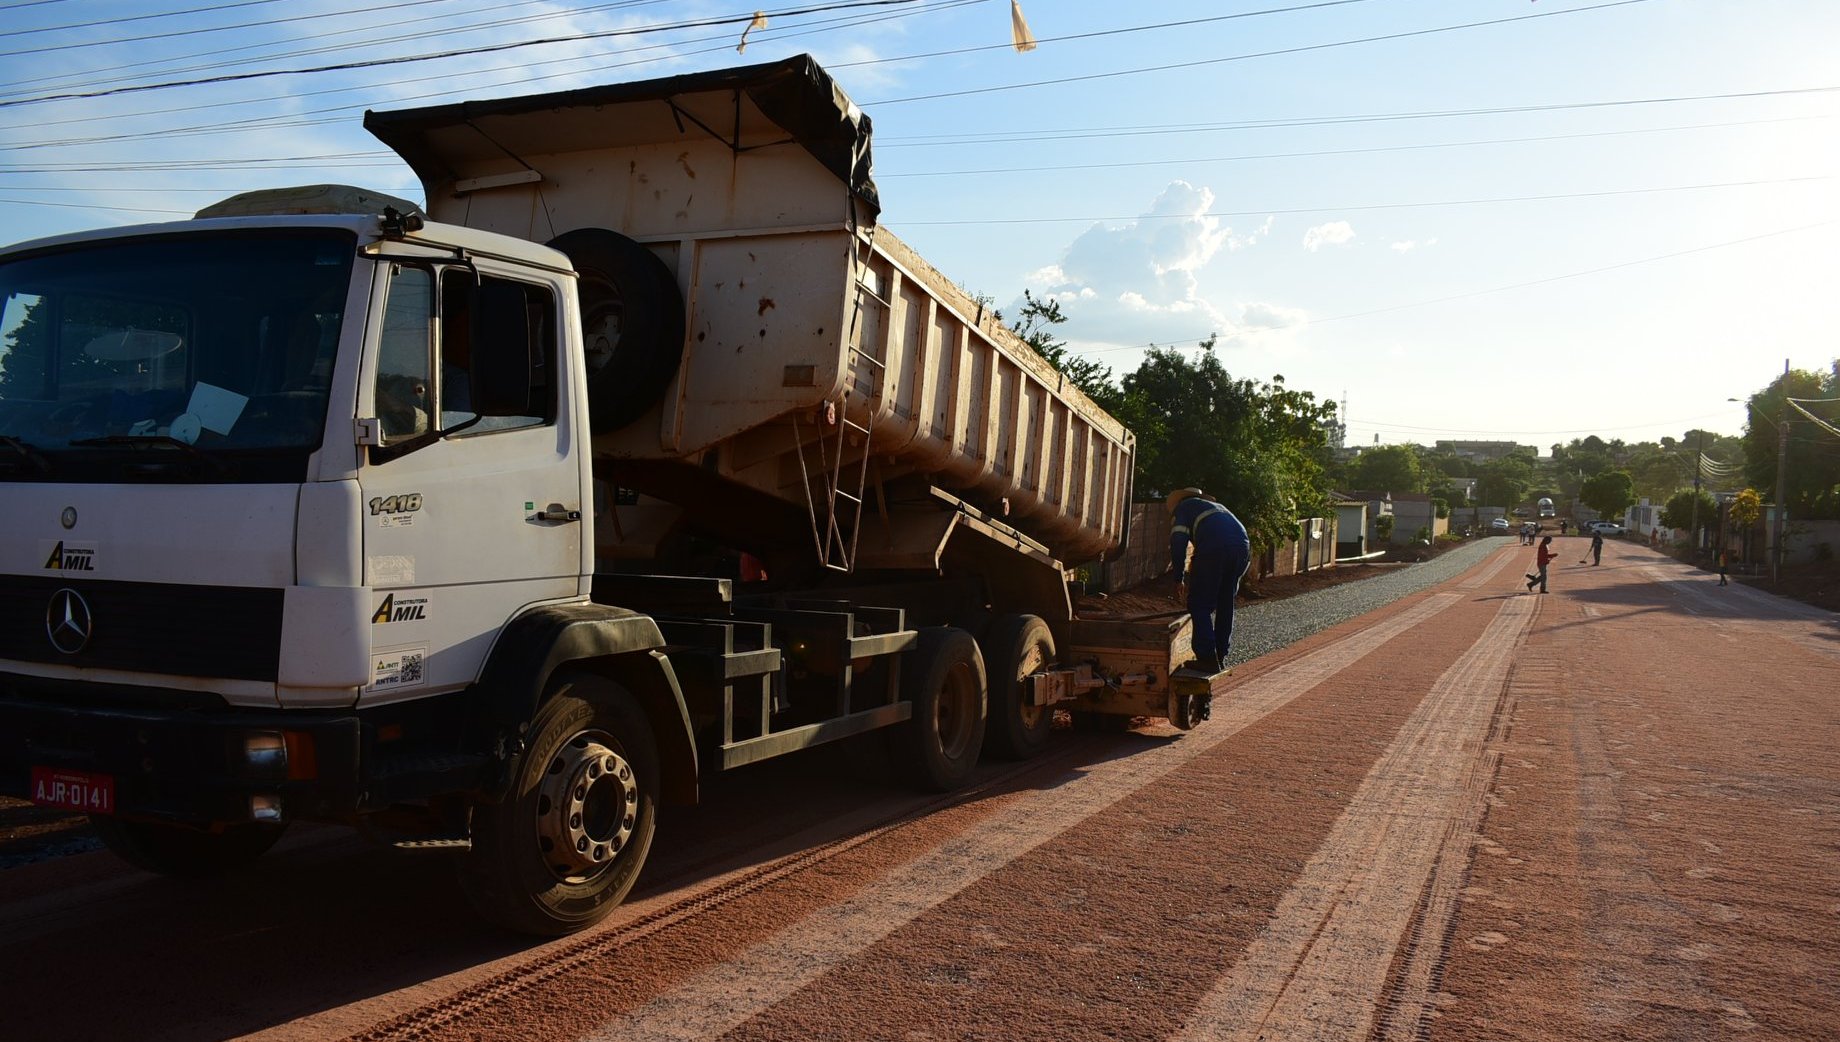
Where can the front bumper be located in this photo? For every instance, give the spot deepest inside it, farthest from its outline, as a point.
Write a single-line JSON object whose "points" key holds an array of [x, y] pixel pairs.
{"points": [[191, 764]]}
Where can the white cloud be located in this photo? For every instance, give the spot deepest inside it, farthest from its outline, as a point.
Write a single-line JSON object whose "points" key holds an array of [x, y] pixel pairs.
{"points": [[1265, 315], [1408, 245], [1335, 233], [1135, 283]]}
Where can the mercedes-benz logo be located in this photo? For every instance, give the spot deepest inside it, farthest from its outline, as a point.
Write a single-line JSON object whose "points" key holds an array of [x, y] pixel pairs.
{"points": [[68, 621], [69, 517]]}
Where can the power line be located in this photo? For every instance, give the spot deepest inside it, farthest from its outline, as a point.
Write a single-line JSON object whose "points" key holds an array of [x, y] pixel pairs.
{"points": [[119, 19], [489, 49], [1258, 54], [197, 31], [1344, 151], [723, 42], [396, 37], [1392, 428], [1267, 211]]}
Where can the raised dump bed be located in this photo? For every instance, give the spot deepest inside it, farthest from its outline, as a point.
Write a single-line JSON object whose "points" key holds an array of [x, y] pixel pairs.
{"points": [[774, 365]]}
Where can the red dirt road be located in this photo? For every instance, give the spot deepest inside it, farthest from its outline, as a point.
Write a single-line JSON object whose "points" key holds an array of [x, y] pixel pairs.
{"points": [[1610, 812]]}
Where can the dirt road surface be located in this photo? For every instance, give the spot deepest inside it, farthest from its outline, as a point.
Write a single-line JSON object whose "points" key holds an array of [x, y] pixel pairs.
{"points": [[1608, 812]]}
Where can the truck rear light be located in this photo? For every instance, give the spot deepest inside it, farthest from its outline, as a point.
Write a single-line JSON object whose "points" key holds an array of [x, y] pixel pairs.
{"points": [[264, 808], [302, 757]]}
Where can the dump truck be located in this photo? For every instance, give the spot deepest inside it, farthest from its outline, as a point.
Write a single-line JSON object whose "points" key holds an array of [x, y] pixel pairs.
{"points": [[642, 451]]}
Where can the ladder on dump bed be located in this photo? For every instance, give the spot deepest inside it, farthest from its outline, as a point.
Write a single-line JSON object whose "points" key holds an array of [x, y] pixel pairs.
{"points": [[836, 532]]}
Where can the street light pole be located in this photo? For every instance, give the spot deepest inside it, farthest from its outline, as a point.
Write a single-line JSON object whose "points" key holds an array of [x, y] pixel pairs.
{"points": [[1782, 491], [1699, 458]]}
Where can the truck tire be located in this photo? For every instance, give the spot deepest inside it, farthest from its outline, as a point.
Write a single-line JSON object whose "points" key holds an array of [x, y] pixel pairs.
{"points": [[1015, 646], [172, 850], [632, 323], [566, 844], [943, 676]]}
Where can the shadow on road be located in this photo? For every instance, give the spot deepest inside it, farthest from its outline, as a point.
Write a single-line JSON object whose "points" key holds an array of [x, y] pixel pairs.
{"points": [[97, 950]]}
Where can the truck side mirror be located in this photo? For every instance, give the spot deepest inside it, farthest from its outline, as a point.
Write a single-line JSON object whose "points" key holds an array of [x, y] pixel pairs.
{"points": [[503, 354]]}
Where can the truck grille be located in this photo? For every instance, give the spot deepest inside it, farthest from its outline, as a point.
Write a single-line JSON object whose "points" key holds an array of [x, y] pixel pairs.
{"points": [[167, 628]]}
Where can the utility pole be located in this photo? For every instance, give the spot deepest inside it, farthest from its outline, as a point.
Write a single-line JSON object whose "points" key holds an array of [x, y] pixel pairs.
{"points": [[1699, 458], [1782, 480]]}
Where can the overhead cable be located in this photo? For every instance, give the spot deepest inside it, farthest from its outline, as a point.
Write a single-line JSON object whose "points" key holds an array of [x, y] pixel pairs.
{"points": [[488, 49]]}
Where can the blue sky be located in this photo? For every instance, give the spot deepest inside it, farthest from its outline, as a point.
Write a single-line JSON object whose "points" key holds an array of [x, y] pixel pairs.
{"points": [[1520, 219]]}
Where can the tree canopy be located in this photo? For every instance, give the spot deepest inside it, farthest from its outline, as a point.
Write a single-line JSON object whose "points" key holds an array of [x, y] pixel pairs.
{"points": [[1387, 468], [1812, 468], [1258, 448], [1609, 493]]}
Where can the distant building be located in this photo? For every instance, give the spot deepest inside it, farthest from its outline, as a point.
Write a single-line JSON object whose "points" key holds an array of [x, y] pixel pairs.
{"points": [[1483, 451], [1462, 491]]}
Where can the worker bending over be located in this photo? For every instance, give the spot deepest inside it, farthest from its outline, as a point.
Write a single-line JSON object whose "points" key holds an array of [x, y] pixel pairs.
{"points": [[1222, 553]]}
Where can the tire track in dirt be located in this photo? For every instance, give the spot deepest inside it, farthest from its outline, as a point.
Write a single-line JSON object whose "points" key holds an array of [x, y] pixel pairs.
{"points": [[728, 994], [1320, 967]]}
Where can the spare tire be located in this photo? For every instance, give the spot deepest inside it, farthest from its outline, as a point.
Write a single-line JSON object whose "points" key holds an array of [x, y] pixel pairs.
{"points": [[632, 323]]}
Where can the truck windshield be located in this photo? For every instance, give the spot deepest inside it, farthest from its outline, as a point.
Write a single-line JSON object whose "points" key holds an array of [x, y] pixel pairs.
{"points": [[204, 356]]}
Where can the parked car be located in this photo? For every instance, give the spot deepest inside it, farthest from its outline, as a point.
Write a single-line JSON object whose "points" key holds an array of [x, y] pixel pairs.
{"points": [[1499, 524], [1607, 529]]}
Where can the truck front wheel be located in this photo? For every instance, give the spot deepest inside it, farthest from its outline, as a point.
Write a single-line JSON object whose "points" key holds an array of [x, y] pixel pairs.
{"points": [[1014, 647], [943, 676], [172, 850], [566, 844]]}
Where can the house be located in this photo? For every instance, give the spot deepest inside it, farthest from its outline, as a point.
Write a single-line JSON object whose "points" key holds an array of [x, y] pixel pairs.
{"points": [[1350, 528]]}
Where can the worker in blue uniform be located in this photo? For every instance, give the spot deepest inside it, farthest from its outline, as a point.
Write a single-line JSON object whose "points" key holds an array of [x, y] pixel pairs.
{"points": [[1209, 585]]}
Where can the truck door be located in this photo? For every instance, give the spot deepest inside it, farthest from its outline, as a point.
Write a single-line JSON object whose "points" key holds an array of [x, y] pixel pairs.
{"points": [[472, 496]]}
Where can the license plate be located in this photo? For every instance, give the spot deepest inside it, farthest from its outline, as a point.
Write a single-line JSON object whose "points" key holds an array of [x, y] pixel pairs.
{"points": [[73, 790]]}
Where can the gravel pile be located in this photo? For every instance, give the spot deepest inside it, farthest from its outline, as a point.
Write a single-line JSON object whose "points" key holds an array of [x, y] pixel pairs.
{"points": [[1263, 628]]}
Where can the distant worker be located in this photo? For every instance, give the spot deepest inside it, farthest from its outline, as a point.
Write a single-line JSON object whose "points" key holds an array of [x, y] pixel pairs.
{"points": [[1724, 566], [1222, 554], [1542, 558], [1597, 549]]}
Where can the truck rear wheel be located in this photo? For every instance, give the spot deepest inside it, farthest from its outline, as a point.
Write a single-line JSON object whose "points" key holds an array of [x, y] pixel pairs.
{"points": [[1014, 647], [943, 676], [632, 323], [566, 844], [173, 850]]}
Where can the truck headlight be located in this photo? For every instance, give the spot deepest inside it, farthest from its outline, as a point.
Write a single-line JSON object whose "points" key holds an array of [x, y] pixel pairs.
{"points": [[266, 751]]}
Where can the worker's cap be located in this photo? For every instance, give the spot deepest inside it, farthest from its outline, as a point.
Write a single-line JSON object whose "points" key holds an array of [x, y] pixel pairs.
{"points": [[1179, 495]]}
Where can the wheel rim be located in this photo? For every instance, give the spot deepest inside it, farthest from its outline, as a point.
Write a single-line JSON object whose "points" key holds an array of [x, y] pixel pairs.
{"points": [[957, 711], [1030, 661], [601, 321], [587, 807]]}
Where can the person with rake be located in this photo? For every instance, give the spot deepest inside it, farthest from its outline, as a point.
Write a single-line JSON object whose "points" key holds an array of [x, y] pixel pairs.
{"points": [[1542, 558]]}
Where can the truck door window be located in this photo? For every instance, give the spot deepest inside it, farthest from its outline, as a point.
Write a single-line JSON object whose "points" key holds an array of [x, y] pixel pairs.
{"points": [[405, 354], [474, 340]]}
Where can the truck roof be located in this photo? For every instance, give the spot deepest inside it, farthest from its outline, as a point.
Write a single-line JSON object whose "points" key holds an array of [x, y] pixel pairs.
{"points": [[364, 226]]}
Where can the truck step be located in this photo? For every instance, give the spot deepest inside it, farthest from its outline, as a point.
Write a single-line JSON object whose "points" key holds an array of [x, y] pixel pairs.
{"points": [[432, 843]]}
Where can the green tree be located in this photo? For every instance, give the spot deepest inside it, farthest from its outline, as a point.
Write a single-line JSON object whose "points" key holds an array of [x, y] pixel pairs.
{"points": [[1746, 508], [1609, 493], [1812, 467], [1258, 448], [1035, 325], [1678, 513], [1387, 468], [1504, 482]]}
